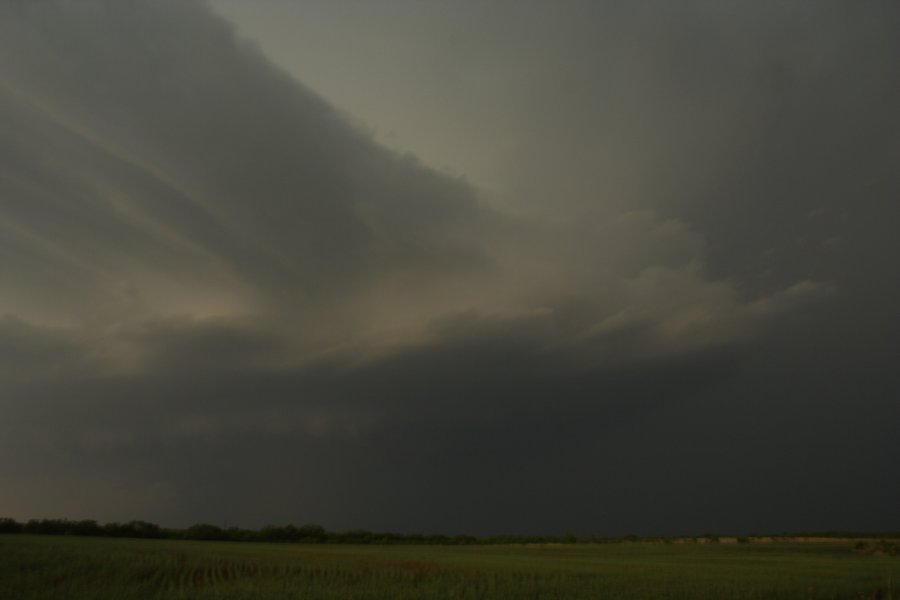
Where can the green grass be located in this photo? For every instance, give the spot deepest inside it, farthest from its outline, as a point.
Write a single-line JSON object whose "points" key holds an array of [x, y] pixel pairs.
{"points": [[61, 567]]}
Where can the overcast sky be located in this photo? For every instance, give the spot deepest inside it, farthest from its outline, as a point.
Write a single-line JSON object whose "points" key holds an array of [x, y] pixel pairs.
{"points": [[461, 267]]}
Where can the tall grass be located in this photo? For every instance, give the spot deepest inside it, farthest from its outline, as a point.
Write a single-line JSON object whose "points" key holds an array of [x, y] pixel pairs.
{"points": [[33, 567]]}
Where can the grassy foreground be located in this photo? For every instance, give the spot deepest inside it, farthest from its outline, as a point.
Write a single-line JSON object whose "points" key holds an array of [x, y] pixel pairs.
{"points": [[74, 568]]}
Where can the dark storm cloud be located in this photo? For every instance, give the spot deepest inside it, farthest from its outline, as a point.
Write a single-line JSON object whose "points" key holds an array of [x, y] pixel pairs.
{"points": [[201, 144], [221, 300]]}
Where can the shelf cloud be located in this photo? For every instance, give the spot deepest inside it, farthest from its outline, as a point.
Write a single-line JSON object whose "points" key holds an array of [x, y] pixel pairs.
{"points": [[222, 298]]}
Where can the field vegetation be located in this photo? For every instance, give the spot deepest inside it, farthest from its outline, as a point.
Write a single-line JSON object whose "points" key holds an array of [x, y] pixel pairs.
{"points": [[77, 567]]}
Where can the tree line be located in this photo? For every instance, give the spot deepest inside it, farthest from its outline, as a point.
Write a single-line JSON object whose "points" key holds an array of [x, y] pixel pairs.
{"points": [[316, 534], [309, 534]]}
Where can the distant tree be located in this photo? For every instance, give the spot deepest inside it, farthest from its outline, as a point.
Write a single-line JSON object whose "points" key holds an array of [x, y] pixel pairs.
{"points": [[10, 526], [46, 526], [205, 531], [311, 533], [86, 527], [355, 536], [236, 534], [136, 529], [271, 533]]}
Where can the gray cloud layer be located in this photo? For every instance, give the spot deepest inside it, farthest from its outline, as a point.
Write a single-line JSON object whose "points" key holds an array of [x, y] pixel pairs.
{"points": [[222, 300]]}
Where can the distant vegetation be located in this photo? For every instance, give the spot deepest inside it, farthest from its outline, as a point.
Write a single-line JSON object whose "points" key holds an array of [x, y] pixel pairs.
{"points": [[316, 534]]}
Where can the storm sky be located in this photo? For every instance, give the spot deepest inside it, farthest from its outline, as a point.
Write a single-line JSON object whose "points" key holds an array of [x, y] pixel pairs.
{"points": [[461, 267]]}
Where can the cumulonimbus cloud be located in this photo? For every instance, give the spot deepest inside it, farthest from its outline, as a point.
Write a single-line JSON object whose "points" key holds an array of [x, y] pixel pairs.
{"points": [[191, 180], [182, 225]]}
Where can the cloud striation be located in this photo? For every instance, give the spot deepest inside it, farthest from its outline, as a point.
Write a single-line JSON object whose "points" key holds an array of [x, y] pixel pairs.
{"points": [[221, 299]]}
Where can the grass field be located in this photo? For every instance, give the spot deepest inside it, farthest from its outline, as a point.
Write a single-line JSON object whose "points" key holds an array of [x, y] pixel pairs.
{"points": [[74, 568]]}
